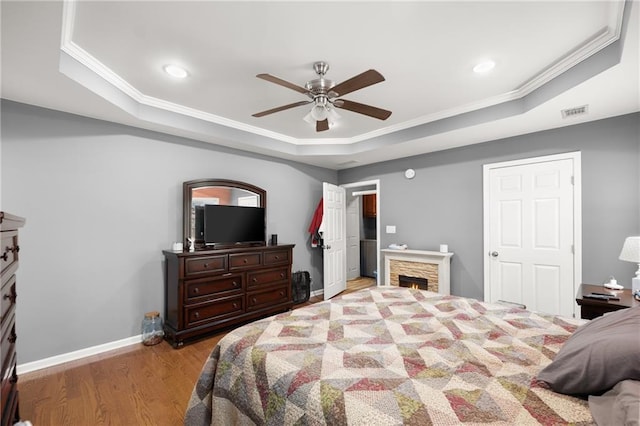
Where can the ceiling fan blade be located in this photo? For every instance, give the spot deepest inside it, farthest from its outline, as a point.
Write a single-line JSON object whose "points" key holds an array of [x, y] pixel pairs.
{"points": [[281, 82], [281, 108], [371, 111], [323, 125], [358, 82]]}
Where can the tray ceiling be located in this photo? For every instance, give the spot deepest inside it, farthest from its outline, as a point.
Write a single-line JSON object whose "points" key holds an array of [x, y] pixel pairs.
{"points": [[105, 60]]}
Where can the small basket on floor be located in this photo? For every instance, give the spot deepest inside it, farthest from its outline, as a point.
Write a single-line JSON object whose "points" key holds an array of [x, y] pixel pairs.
{"points": [[300, 286]]}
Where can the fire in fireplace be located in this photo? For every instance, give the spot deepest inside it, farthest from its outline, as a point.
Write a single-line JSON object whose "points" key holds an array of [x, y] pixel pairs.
{"points": [[412, 282]]}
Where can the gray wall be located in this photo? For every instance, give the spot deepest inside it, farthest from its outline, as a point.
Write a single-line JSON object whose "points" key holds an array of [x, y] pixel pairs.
{"points": [[102, 201], [443, 203]]}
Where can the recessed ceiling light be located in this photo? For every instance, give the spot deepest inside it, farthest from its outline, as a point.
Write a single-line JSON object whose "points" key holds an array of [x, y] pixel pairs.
{"points": [[175, 71], [484, 66]]}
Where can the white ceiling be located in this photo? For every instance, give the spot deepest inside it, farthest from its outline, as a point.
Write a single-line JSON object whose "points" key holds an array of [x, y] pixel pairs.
{"points": [[104, 60]]}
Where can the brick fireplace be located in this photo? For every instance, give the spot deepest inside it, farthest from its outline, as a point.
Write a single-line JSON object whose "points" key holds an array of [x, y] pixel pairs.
{"points": [[432, 266]]}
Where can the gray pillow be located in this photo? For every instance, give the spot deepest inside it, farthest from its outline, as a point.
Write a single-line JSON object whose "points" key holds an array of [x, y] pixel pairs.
{"points": [[598, 355], [619, 406]]}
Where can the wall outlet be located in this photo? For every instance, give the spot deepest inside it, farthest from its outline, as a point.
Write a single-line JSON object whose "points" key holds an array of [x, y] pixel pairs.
{"points": [[391, 229]]}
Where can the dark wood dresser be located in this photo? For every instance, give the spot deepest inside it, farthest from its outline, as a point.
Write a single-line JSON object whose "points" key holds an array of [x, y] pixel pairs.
{"points": [[9, 226], [208, 290]]}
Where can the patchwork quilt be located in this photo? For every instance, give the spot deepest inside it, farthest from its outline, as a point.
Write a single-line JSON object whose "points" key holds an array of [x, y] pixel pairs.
{"points": [[388, 356]]}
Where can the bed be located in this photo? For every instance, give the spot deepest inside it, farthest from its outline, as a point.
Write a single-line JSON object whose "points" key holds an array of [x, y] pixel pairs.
{"points": [[387, 356]]}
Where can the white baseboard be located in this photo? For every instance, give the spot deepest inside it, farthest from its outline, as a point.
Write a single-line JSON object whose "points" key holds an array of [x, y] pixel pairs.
{"points": [[75, 355], [94, 350]]}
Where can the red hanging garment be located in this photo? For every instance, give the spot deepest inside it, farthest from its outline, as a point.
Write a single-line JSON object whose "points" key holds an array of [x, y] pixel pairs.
{"points": [[316, 222]]}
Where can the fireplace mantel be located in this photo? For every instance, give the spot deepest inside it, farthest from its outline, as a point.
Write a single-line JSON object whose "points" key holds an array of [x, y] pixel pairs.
{"points": [[442, 260]]}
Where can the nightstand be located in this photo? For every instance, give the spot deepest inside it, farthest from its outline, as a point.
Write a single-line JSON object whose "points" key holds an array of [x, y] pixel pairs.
{"points": [[593, 308]]}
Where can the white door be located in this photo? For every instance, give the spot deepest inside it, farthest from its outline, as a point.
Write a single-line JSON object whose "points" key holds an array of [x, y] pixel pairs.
{"points": [[334, 239], [531, 234], [353, 238]]}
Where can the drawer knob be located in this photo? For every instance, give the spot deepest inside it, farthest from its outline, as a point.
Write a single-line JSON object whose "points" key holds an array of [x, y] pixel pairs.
{"points": [[235, 305], [206, 265], [244, 260], [12, 338], [196, 290], [277, 257], [255, 280], [282, 293], [196, 314], [4, 256], [254, 300], [281, 274], [235, 284]]}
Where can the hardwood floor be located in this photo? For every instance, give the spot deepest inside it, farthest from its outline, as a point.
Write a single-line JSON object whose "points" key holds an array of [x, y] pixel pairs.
{"points": [[136, 385]]}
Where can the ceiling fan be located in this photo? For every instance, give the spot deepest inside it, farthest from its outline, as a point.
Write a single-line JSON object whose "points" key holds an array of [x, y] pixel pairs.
{"points": [[324, 95]]}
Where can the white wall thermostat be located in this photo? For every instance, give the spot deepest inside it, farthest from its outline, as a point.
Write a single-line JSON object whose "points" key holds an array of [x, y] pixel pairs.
{"points": [[409, 173]]}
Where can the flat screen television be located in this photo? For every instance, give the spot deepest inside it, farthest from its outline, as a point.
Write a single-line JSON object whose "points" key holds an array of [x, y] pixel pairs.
{"points": [[225, 225]]}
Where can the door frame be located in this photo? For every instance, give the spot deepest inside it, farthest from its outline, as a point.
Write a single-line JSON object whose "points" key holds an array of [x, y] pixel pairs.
{"points": [[376, 183], [577, 213]]}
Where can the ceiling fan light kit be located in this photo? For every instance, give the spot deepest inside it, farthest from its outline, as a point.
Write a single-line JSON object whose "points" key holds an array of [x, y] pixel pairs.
{"points": [[324, 93], [319, 110]]}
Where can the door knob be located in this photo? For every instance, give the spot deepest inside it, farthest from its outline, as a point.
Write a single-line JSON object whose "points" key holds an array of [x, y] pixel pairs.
{"points": [[494, 254], [328, 247]]}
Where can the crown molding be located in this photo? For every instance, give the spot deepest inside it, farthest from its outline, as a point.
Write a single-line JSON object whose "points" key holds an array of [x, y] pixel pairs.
{"points": [[596, 43], [76, 52]]}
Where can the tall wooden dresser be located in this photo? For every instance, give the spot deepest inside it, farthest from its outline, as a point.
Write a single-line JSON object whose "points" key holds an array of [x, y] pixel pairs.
{"points": [[208, 290], [9, 226]]}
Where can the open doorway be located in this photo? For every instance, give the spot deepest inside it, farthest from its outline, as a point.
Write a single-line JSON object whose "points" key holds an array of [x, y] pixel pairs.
{"points": [[362, 234]]}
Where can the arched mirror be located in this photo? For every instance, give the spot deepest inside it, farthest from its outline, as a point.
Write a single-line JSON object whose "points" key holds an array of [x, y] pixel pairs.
{"points": [[204, 194]]}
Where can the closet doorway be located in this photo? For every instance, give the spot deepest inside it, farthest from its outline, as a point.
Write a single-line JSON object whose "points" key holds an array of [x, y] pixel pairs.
{"points": [[363, 233]]}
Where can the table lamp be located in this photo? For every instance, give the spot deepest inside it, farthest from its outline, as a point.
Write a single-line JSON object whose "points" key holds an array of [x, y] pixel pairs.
{"points": [[631, 253]]}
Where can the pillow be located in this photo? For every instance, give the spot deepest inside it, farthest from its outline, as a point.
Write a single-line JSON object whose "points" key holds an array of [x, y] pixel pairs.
{"points": [[598, 355], [619, 406]]}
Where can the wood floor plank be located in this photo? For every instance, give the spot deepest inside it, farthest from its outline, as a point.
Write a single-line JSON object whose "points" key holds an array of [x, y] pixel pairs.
{"points": [[135, 385]]}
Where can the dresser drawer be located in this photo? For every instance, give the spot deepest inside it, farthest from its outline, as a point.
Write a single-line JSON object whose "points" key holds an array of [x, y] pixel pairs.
{"points": [[267, 277], [8, 298], [9, 249], [244, 260], [268, 297], [218, 309], [7, 346], [205, 265], [196, 290], [10, 412], [276, 257], [9, 379]]}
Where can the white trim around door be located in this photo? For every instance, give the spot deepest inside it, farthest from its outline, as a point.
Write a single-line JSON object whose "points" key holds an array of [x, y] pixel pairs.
{"points": [[368, 183], [575, 157]]}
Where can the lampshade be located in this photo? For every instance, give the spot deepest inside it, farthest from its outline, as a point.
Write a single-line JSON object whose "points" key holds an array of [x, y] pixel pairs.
{"points": [[309, 119], [319, 112], [332, 116], [631, 250]]}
